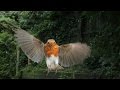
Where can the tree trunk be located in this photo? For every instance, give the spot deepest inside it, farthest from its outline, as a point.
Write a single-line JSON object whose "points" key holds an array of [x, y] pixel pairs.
{"points": [[17, 62], [83, 27]]}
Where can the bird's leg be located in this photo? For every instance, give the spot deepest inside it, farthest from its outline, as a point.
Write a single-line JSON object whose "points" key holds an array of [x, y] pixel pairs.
{"points": [[48, 71], [58, 67], [56, 71]]}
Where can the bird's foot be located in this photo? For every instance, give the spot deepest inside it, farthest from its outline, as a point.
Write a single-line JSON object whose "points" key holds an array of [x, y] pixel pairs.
{"points": [[48, 71], [55, 71], [58, 68]]}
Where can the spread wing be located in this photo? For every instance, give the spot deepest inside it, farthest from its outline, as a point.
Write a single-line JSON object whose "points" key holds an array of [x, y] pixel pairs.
{"points": [[73, 53], [31, 46]]}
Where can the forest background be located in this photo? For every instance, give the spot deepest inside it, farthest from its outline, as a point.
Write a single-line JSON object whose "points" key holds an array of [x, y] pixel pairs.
{"points": [[99, 29]]}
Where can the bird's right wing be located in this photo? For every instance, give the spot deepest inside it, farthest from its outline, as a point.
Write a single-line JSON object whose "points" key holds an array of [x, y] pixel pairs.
{"points": [[31, 46], [73, 53]]}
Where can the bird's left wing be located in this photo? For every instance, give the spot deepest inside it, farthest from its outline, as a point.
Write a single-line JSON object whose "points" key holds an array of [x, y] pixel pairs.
{"points": [[31, 46], [73, 53]]}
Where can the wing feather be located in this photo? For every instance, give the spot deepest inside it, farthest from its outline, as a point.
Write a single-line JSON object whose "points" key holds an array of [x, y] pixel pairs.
{"points": [[73, 53], [31, 46]]}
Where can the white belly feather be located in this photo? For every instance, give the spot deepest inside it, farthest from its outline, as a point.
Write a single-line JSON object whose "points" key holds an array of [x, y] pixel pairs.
{"points": [[52, 62]]}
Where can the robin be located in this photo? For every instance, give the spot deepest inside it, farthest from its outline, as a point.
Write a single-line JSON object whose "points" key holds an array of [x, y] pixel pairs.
{"points": [[57, 56]]}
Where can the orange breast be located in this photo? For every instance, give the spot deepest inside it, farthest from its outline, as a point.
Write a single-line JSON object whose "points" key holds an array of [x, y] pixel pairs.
{"points": [[53, 50]]}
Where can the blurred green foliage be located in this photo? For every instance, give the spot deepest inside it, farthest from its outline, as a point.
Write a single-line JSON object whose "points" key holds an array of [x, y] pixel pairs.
{"points": [[99, 29]]}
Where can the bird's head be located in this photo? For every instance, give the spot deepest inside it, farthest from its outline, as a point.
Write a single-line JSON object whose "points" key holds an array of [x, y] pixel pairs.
{"points": [[51, 42]]}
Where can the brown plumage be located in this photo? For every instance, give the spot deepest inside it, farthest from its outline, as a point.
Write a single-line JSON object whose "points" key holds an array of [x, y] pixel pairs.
{"points": [[56, 56], [51, 48]]}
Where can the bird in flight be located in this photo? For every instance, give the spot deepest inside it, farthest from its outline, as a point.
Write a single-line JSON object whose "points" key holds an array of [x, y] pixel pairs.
{"points": [[57, 56]]}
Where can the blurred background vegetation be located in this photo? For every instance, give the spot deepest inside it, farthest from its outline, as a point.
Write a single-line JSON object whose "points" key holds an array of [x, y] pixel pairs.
{"points": [[99, 29]]}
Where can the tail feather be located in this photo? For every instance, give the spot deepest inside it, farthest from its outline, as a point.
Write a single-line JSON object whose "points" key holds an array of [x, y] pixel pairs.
{"points": [[58, 67], [55, 67]]}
